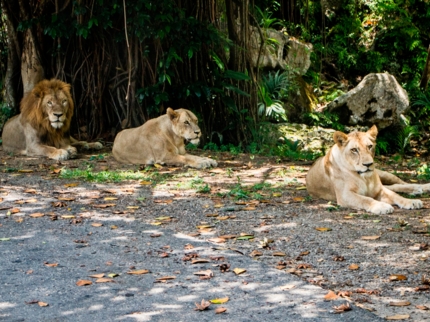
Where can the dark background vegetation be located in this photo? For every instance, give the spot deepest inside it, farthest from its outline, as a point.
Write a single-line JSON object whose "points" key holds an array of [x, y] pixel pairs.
{"points": [[128, 61]]}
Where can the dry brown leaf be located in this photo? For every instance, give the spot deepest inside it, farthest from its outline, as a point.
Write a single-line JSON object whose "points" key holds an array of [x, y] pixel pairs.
{"points": [[255, 253], [74, 184], [370, 237], [96, 224], [400, 303], [14, 210], [104, 205], [50, 264], [398, 317], [220, 310], [165, 278], [66, 198], [422, 307], [323, 228], [228, 236], [166, 201], [202, 306], [97, 275], [342, 308], [330, 296], [344, 293], [207, 273], [105, 280], [83, 282], [353, 267], [36, 215], [30, 191], [279, 254], [396, 277], [138, 272], [248, 208], [42, 304], [217, 240]]}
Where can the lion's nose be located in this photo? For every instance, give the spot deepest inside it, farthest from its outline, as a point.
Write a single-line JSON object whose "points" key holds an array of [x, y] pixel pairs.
{"points": [[197, 131], [368, 164], [58, 114]]}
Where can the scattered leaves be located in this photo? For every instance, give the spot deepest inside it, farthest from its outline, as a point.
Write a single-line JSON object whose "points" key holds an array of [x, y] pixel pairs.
{"points": [[239, 271], [83, 282], [342, 308], [138, 272], [397, 278], [202, 306], [220, 310], [397, 317], [219, 300], [36, 215], [330, 296]]}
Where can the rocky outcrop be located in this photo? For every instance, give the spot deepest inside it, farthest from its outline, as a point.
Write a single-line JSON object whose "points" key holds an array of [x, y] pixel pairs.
{"points": [[378, 99], [280, 51]]}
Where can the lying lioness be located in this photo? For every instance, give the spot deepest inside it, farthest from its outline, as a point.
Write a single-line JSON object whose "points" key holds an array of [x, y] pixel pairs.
{"points": [[347, 175], [161, 140]]}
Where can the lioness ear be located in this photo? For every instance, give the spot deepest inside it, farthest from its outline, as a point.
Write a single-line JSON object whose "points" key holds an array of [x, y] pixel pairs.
{"points": [[340, 138], [373, 132], [172, 114]]}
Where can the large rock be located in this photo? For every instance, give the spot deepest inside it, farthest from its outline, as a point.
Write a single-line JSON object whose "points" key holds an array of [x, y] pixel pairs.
{"points": [[280, 51], [378, 99]]}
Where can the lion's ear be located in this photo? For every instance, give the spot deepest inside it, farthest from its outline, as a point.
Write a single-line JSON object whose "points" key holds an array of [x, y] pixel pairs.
{"points": [[340, 138], [172, 114], [373, 132]]}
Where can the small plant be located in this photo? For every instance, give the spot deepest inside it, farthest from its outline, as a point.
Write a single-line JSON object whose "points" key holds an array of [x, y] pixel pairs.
{"points": [[273, 91], [325, 119], [404, 137], [424, 172]]}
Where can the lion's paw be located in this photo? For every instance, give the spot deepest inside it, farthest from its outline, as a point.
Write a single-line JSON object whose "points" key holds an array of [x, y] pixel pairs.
{"points": [[95, 146], [381, 208], [412, 204], [60, 155], [206, 163], [73, 152]]}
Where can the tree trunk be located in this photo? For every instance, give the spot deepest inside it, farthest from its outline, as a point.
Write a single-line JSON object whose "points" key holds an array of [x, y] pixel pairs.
{"points": [[426, 73]]}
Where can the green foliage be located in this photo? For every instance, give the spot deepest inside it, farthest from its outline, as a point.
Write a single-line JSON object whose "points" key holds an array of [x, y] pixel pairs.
{"points": [[325, 119], [291, 150], [424, 172], [273, 91], [404, 137]]}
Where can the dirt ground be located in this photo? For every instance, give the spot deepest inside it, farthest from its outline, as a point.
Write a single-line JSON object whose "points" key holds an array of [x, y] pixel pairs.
{"points": [[259, 207]]}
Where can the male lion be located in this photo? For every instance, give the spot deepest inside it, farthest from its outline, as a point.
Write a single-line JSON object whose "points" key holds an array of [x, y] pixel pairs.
{"points": [[347, 175], [42, 128], [161, 140]]}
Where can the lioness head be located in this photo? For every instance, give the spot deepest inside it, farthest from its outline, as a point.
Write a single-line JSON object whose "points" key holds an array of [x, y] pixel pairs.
{"points": [[49, 106], [357, 150], [185, 125]]}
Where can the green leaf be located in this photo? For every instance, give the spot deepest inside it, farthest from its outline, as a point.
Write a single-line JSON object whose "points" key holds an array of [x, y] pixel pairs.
{"points": [[236, 75], [4, 239]]}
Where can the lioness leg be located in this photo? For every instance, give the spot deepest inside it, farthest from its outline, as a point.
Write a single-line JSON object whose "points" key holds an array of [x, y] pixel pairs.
{"points": [[85, 145], [396, 184], [192, 161], [393, 198], [351, 199]]}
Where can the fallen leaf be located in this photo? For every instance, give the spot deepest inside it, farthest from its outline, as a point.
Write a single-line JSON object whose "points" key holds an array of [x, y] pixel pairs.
{"points": [[138, 272], [4, 239], [145, 182], [330, 296], [397, 317], [83, 282], [228, 236], [113, 227], [36, 215], [370, 237], [298, 199], [422, 307], [255, 253], [323, 228], [96, 224], [279, 254], [397, 278], [248, 208], [199, 261], [204, 226], [219, 300], [113, 275], [239, 271], [288, 287], [206, 273], [74, 184], [97, 275], [342, 308], [202, 306], [50, 264], [105, 280], [66, 198], [400, 303], [217, 240], [153, 235], [245, 237], [220, 310], [104, 205], [67, 216], [165, 278], [25, 171], [42, 304], [30, 191], [353, 267]]}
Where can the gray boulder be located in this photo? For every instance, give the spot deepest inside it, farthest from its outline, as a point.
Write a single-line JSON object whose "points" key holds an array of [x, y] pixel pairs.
{"points": [[378, 99]]}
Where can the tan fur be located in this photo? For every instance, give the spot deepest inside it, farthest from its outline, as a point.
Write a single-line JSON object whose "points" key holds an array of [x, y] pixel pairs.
{"points": [[161, 140], [347, 175], [42, 128]]}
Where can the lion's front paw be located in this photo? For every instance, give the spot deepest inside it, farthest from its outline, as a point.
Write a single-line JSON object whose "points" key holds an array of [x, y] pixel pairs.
{"points": [[59, 155], [206, 163], [381, 208], [72, 152], [412, 204]]}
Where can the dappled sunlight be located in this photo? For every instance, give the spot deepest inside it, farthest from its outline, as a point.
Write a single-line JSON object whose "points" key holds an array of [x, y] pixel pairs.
{"points": [[6, 305], [141, 316]]}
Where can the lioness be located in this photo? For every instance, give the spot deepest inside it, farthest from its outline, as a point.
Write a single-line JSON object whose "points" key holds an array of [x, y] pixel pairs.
{"points": [[42, 128], [347, 175], [161, 140]]}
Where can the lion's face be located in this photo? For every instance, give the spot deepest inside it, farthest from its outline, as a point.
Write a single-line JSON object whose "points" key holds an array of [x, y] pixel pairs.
{"points": [[56, 105], [185, 125], [357, 150]]}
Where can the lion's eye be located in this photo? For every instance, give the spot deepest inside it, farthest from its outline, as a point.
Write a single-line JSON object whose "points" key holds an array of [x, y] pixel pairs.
{"points": [[64, 102], [187, 123], [354, 150], [50, 103], [370, 146]]}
